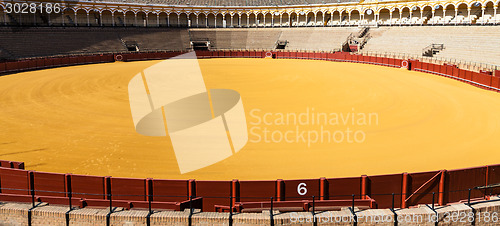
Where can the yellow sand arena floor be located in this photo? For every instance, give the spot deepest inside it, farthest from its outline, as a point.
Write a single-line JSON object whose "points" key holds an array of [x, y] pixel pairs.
{"points": [[78, 120]]}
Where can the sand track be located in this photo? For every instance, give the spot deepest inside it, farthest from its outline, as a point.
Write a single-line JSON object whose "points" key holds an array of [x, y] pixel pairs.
{"points": [[77, 120]]}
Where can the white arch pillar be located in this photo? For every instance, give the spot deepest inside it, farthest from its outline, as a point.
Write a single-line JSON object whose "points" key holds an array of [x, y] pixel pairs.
{"points": [[158, 19], [482, 14], [113, 18], [231, 24], [88, 20], [281, 20], [421, 17], [197, 21], [178, 20], [444, 15], [239, 20], [495, 14], [468, 15], [124, 19], [390, 17], [456, 14], [433, 12], [135, 19], [76, 20]]}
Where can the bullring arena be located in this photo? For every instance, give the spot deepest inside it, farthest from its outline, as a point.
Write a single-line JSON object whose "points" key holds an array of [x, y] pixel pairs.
{"points": [[249, 113]]}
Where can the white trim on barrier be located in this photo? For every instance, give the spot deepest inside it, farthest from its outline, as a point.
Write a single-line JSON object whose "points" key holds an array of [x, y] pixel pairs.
{"points": [[404, 64], [119, 57], [269, 55]]}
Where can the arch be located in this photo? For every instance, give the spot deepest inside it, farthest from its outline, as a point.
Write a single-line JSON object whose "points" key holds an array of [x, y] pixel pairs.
{"points": [[384, 16], [310, 21], [268, 19], [193, 20], [129, 19], [173, 19], [211, 19], [450, 12], [202, 20], [405, 16], [335, 18], [141, 19], [369, 16], [285, 20], [355, 17], [183, 19], [119, 18], [107, 18]]}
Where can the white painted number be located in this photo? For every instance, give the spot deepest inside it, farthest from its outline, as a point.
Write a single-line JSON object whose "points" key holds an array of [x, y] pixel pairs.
{"points": [[301, 189]]}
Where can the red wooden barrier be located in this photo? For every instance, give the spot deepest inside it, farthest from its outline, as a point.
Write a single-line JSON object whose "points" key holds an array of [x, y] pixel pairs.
{"points": [[2, 67], [40, 63], [207, 189], [468, 75], [170, 190], [14, 179], [495, 82], [261, 190], [48, 62], [344, 188], [459, 181], [93, 186], [240, 54], [26, 64], [65, 61], [420, 183], [493, 172], [128, 189], [301, 189], [385, 185], [57, 61], [316, 55], [50, 182]]}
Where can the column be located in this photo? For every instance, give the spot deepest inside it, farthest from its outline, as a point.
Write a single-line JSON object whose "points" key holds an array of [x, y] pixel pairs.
{"points": [[239, 20], [197, 20], [158, 19], [248, 20], [400, 17], [444, 15], [264, 20], [178, 20], [231, 20], [100, 18], [315, 19], [495, 14], [272, 20], [433, 11], [323, 23], [390, 18], [206, 20], [76, 19], [113, 18], [124, 19], [482, 14], [281, 20], [168, 19], [88, 20], [146, 22], [468, 15], [62, 15], [421, 17], [456, 14], [135, 19]]}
